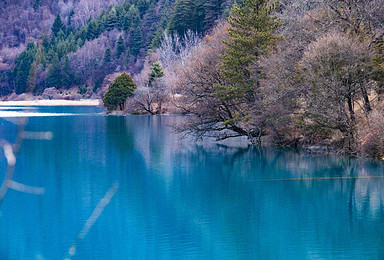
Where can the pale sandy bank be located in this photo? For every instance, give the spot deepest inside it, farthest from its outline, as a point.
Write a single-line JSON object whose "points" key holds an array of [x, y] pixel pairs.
{"points": [[52, 102]]}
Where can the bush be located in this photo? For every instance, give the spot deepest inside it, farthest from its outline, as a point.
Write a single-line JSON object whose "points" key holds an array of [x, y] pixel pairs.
{"points": [[118, 92], [371, 135]]}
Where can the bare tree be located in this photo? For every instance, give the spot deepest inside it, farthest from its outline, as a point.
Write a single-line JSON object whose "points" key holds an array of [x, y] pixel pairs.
{"points": [[333, 68], [371, 134], [150, 95], [174, 49], [197, 92]]}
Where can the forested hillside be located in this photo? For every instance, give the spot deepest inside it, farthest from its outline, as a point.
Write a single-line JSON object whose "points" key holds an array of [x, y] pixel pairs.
{"points": [[46, 43]]}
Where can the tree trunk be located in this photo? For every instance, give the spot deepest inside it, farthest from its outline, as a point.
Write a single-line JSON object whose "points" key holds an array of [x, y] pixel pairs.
{"points": [[367, 104], [350, 108], [159, 108]]}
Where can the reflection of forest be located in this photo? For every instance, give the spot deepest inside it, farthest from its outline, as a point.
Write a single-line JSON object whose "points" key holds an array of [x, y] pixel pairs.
{"points": [[199, 195], [177, 197]]}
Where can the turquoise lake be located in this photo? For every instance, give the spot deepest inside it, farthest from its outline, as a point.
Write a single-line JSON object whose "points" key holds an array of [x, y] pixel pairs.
{"points": [[170, 198]]}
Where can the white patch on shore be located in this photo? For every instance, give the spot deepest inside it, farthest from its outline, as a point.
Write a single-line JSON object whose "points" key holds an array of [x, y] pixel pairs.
{"points": [[52, 102]]}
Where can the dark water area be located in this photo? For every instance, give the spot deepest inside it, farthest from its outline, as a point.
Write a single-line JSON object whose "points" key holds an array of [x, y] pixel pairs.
{"points": [[177, 199]]}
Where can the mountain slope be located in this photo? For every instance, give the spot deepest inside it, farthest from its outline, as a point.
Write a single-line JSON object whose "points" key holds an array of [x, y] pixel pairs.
{"points": [[79, 42]]}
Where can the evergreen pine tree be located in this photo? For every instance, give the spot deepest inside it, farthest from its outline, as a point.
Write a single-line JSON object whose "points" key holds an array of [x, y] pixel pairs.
{"points": [[127, 56], [212, 13], [22, 67], [198, 16], [156, 72], [111, 20], [118, 92], [120, 47], [33, 72], [108, 55], [45, 42], [188, 15], [71, 14], [92, 30], [136, 41], [251, 33], [142, 5], [182, 19], [54, 73], [121, 18], [57, 25]]}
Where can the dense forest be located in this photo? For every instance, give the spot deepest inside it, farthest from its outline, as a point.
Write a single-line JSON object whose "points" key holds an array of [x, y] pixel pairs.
{"points": [[290, 73], [59, 44]]}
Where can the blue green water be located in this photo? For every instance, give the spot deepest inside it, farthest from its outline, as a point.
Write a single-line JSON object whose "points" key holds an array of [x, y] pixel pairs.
{"points": [[181, 200]]}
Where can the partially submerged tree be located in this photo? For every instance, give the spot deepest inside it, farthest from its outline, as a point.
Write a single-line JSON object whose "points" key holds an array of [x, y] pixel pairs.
{"points": [[118, 92]]}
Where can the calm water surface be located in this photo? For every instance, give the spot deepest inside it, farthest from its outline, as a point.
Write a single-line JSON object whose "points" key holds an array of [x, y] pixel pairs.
{"points": [[181, 200]]}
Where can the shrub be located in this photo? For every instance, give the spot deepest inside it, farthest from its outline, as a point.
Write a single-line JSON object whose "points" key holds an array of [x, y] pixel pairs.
{"points": [[371, 135]]}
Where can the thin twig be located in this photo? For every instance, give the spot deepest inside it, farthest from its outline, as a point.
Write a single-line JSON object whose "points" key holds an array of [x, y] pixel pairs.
{"points": [[93, 218]]}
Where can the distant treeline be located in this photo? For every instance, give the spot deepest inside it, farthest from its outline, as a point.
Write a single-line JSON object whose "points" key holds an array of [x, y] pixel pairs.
{"points": [[116, 39]]}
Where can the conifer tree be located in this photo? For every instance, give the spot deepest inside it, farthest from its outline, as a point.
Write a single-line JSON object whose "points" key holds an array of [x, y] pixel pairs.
{"points": [[132, 18], [188, 15], [45, 41], [136, 42], [22, 67], [156, 72], [38, 60], [57, 25], [182, 19], [112, 21], [251, 33], [92, 30], [199, 12], [71, 14], [142, 5], [121, 18], [120, 47], [54, 73], [212, 13], [118, 92], [108, 55], [127, 56]]}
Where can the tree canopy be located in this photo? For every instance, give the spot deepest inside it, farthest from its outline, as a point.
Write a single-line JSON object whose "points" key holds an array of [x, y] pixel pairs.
{"points": [[118, 92]]}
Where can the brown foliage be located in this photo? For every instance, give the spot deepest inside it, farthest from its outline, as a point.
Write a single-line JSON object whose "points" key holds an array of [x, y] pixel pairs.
{"points": [[371, 135]]}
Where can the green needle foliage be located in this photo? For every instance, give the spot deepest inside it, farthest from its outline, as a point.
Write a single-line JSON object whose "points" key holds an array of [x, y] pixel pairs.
{"points": [[22, 67], [156, 72], [57, 25], [251, 32], [108, 55], [118, 92], [120, 47]]}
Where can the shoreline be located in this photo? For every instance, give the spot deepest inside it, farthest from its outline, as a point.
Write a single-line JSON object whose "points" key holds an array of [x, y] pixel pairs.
{"points": [[52, 102]]}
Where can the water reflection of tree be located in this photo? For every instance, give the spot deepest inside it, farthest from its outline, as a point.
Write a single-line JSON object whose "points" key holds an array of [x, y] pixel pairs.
{"points": [[120, 133], [312, 202]]}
